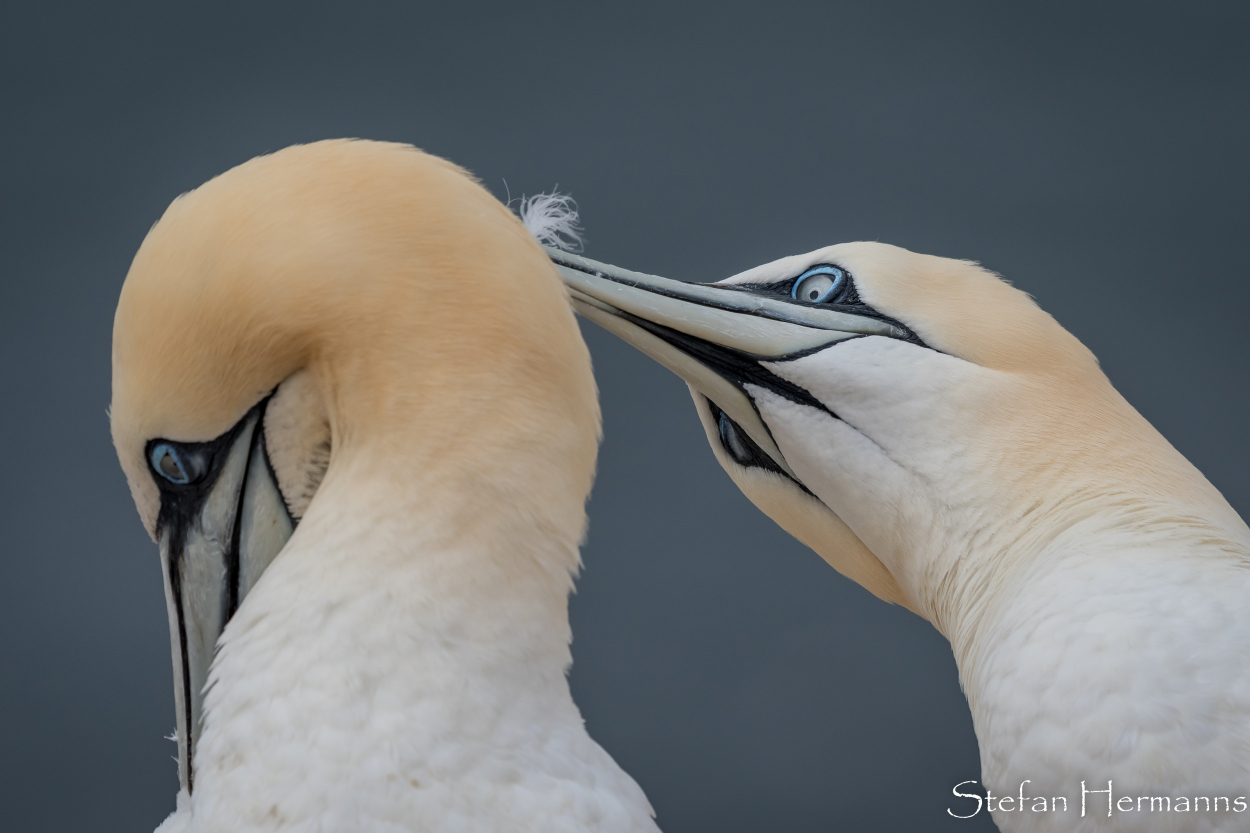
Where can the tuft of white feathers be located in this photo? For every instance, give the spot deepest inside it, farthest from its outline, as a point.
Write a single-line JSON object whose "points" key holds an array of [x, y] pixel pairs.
{"points": [[553, 220]]}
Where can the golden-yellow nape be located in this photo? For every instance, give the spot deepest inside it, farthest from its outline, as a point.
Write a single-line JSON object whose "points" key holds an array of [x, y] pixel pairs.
{"points": [[347, 337]]}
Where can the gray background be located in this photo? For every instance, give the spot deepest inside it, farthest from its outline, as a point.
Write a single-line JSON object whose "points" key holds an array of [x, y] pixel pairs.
{"points": [[1095, 154]]}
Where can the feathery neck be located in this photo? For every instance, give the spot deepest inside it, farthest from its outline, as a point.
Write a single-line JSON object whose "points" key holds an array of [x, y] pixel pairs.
{"points": [[394, 597], [1092, 531], [433, 540], [392, 632], [481, 566], [1042, 477]]}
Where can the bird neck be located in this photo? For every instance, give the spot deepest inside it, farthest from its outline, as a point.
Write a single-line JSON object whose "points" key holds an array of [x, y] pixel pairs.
{"points": [[1104, 546], [1100, 482], [413, 627], [1107, 656]]}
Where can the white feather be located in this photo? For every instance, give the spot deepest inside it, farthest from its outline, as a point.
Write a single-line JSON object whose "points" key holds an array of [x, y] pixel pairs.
{"points": [[552, 219]]}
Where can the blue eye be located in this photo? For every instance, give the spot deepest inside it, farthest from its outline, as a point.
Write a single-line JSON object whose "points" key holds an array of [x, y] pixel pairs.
{"points": [[820, 283], [171, 464]]}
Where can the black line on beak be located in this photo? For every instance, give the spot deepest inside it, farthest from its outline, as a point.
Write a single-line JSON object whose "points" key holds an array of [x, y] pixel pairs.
{"points": [[233, 555], [181, 505], [234, 558], [777, 291], [176, 545], [740, 368]]}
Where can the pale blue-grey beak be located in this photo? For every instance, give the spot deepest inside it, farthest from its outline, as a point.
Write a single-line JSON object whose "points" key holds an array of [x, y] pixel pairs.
{"points": [[712, 336], [222, 521]]}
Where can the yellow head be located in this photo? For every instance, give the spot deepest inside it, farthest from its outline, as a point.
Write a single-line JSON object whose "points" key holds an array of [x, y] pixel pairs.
{"points": [[916, 420], [345, 309]]}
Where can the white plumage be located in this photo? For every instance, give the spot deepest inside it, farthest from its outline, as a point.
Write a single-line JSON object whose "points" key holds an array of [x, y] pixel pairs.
{"points": [[553, 220]]}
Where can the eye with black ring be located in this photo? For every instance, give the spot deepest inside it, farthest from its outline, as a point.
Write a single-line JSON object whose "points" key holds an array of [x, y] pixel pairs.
{"points": [[820, 284], [175, 464]]}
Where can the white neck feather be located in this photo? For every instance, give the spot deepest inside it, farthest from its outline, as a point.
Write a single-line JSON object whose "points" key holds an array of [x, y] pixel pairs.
{"points": [[397, 667], [1113, 655], [1091, 581]]}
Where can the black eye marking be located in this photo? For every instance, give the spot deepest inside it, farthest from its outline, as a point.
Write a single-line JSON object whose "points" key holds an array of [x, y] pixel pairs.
{"points": [[178, 464], [187, 467], [827, 286]]}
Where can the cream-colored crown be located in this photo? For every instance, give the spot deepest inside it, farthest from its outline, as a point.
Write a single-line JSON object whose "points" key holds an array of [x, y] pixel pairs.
{"points": [[431, 322]]}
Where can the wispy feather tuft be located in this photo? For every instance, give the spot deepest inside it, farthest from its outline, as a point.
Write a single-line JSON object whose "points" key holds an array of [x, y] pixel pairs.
{"points": [[552, 219]]}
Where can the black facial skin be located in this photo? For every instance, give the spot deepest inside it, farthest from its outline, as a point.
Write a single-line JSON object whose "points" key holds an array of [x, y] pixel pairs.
{"points": [[741, 448], [845, 298], [738, 445], [734, 365]]}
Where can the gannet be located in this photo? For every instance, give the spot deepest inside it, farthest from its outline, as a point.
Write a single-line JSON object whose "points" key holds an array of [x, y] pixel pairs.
{"points": [[938, 438], [354, 409]]}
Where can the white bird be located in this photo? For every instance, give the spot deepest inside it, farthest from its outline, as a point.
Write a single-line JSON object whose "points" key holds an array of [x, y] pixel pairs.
{"points": [[354, 409], [941, 440]]}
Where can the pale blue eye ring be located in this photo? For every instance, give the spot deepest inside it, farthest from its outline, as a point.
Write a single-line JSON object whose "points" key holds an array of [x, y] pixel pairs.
{"points": [[820, 283], [170, 463]]}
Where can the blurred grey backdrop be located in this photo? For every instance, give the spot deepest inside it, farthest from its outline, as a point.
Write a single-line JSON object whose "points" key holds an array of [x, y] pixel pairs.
{"points": [[1095, 154]]}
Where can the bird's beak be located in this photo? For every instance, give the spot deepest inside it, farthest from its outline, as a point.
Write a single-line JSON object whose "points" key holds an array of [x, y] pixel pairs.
{"points": [[715, 337], [216, 539]]}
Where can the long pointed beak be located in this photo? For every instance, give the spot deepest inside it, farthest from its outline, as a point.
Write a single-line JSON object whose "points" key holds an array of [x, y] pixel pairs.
{"points": [[215, 543], [712, 336]]}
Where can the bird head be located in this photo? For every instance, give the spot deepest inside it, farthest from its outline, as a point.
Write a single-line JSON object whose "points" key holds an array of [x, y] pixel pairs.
{"points": [[920, 423], [344, 316]]}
